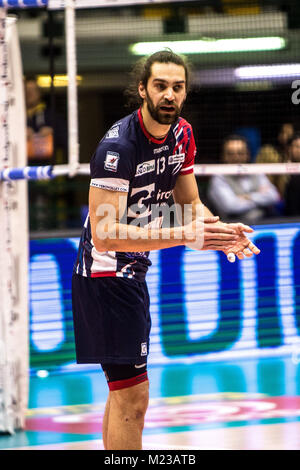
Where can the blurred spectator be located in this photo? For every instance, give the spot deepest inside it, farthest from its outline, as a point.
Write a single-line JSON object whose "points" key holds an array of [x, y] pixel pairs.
{"points": [[268, 154], [278, 154], [46, 144], [285, 133], [252, 197], [253, 137], [292, 190], [44, 137]]}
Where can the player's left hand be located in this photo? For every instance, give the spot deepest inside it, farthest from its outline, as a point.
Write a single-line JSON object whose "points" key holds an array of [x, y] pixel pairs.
{"points": [[242, 247]]}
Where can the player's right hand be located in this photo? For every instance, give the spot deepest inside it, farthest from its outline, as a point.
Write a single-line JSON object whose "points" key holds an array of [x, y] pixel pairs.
{"points": [[208, 233]]}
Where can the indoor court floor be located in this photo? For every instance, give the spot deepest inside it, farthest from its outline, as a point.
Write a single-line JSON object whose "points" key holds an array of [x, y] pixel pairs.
{"points": [[251, 404]]}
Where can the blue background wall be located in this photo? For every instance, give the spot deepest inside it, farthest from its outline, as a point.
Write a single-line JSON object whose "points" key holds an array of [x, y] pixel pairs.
{"points": [[203, 307]]}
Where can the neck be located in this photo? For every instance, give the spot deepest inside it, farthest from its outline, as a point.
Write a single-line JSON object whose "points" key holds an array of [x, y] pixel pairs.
{"points": [[157, 130]]}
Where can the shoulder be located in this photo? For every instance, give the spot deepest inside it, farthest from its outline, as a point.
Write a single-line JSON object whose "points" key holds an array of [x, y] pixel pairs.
{"points": [[121, 132], [182, 125], [119, 138], [116, 152], [184, 136], [183, 122]]}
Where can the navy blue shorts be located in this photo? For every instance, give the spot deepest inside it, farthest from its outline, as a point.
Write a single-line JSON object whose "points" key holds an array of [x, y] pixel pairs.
{"points": [[111, 320]]}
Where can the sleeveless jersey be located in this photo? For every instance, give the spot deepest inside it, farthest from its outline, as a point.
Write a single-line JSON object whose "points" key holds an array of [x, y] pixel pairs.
{"points": [[129, 160]]}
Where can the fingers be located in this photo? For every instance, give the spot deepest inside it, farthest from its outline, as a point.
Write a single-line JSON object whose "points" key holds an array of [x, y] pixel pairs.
{"points": [[253, 248], [229, 238], [247, 251], [245, 228], [220, 237], [242, 227], [220, 229], [213, 246], [211, 220]]}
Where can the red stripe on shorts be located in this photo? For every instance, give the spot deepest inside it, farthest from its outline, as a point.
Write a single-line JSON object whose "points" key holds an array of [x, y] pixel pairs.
{"points": [[104, 274], [125, 383]]}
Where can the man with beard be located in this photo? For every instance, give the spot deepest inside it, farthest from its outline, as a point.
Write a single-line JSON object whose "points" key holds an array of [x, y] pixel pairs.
{"points": [[142, 160]]}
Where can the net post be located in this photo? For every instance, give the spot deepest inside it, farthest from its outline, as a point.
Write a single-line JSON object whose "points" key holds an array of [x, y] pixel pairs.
{"points": [[6, 418], [73, 145], [14, 350]]}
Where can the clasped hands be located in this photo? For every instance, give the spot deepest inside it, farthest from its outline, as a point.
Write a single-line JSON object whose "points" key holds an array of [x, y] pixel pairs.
{"points": [[209, 233]]}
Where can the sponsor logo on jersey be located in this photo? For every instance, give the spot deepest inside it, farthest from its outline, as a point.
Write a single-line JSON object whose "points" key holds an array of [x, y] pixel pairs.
{"points": [[161, 149], [145, 167], [113, 133], [141, 201], [177, 158], [163, 195], [111, 161]]}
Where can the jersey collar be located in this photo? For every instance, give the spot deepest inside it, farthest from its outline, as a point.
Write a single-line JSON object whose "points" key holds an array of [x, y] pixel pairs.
{"points": [[149, 136]]}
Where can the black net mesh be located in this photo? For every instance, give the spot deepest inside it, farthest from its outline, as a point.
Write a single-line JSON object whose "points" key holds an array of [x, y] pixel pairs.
{"points": [[220, 102]]}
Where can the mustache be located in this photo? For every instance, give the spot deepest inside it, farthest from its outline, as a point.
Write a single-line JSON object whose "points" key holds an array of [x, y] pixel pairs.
{"points": [[168, 103]]}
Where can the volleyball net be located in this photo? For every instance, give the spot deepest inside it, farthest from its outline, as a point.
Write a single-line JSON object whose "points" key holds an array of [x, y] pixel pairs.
{"points": [[245, 69], [243, 56]]}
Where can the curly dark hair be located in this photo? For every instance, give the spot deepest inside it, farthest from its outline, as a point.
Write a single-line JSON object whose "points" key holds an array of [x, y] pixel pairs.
{"points": [[142, 71]]}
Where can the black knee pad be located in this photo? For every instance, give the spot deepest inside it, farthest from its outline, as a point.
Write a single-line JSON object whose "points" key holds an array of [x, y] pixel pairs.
{"points": [[120, 376]]}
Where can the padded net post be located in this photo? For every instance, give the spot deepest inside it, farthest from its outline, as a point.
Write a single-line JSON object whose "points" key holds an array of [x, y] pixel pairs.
{"points": [[14, 240]]}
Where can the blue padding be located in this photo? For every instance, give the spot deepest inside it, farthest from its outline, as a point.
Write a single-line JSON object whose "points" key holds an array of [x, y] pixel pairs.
{"points": [[23, 3], [32, 173]]}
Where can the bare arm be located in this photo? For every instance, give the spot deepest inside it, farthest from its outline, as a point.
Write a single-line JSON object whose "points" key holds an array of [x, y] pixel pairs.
{"points": [[106, 209], [110, 233]]}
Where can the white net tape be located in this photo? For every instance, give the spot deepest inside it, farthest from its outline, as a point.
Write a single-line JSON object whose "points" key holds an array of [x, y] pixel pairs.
{"points": [[60, 4], [218, 169], [249, 168]]}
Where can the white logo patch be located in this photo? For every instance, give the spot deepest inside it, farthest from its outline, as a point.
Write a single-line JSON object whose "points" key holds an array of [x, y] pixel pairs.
{"points": [[177, 158], [144, 349], [111, 161], [145, 167], [113, 133]]}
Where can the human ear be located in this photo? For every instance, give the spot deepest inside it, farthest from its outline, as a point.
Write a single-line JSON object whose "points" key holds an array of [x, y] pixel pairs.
{"points": [[142, 90]]}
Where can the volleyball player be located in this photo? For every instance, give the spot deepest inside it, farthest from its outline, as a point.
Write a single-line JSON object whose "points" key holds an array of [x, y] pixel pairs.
{"points": [[142, 160]]}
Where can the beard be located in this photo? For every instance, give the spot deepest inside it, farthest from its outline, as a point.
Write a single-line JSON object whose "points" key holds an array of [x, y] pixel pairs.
{"points": [[161, 114]]}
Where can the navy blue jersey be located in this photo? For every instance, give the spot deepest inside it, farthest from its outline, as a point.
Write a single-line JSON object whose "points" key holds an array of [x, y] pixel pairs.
{"points": [[129, 160]]}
